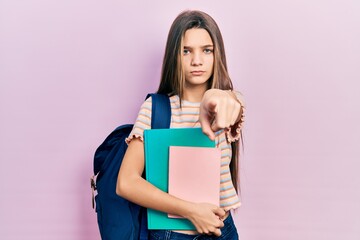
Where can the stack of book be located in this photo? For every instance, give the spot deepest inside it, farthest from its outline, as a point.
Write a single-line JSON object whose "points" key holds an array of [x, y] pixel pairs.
{"points": [[185, 163]]}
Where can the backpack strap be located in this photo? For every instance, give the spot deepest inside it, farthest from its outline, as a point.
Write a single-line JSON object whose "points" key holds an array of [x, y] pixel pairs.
{"points": [[160, 111], [160, 118]]}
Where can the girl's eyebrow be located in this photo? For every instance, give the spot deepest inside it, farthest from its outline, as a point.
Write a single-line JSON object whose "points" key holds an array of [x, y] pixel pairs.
{"points": [[204, 46], [209, 45]]}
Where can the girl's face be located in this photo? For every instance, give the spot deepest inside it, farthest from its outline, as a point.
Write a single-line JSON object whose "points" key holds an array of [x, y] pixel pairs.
{"points": [[198, 57]]}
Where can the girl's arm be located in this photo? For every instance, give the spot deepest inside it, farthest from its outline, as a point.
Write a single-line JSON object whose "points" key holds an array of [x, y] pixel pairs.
{"points": [[130, 185]]}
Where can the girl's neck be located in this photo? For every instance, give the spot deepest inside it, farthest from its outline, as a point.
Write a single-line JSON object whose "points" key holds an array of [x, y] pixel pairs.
{"points": [[194, 94]]}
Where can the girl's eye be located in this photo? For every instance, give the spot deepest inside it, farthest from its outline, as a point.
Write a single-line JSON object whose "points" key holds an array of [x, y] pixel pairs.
{"points": [[208, 50], [186, 51]]}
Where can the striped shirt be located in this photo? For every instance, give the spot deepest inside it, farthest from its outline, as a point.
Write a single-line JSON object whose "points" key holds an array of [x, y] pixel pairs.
{"points": [[187, 117]]}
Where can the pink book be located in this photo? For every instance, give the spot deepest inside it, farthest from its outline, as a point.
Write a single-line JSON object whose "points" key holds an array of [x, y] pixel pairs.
{"points": [[194, 174]]}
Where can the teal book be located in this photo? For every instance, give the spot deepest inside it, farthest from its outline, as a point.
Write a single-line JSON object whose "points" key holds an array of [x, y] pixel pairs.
{"points": [[157, 143]]}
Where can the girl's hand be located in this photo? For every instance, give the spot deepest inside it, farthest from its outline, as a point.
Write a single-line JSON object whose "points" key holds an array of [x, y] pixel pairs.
{"points": [[219, 109], [207, 218]]}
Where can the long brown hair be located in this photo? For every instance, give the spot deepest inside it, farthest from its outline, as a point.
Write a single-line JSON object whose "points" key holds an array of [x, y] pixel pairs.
{"points": [[172, 77]]}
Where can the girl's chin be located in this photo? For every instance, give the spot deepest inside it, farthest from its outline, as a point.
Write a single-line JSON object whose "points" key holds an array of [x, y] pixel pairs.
{"points": [[197, 81], [196, 84]]}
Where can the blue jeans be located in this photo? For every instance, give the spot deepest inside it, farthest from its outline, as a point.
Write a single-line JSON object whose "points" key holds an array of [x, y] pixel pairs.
{"points": [[228, 232]]}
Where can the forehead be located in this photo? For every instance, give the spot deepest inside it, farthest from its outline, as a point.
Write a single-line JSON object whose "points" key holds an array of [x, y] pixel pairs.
{"points": [[196, 37]]}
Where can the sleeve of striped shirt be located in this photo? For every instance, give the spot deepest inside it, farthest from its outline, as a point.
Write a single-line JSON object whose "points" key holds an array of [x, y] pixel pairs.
{"points": [[142, 122]]}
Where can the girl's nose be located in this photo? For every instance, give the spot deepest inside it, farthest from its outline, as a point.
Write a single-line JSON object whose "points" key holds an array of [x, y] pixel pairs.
{"points": [[196, 59]]}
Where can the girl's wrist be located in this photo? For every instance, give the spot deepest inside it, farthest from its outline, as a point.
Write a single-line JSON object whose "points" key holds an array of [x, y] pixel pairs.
{"points": [[234, 131], [188, 210]]}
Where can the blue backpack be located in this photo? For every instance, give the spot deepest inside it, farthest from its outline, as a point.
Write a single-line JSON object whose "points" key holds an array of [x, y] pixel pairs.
{"points": [[117, 217]]}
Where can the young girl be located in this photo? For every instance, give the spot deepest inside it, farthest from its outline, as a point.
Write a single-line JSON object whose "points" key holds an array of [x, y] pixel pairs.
{"points": [[195, 77]]}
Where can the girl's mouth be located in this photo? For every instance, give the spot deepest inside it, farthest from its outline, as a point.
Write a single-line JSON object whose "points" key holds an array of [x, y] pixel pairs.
{"points": [[197, 73]]}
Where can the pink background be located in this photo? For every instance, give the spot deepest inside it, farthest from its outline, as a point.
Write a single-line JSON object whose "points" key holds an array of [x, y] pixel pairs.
{"points": [[71, 71]]}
